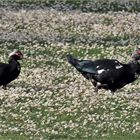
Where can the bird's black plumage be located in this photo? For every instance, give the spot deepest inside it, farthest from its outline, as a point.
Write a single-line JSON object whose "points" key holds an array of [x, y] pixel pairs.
{"points": [[10, 71], [108, 74]]}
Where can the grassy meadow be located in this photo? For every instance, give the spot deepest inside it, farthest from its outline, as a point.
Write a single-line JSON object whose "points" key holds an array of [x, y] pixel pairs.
{"points": [[50, 100]]}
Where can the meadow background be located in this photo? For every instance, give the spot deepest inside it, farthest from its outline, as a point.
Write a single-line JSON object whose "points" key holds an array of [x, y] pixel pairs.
{"points": [[50, 100]]}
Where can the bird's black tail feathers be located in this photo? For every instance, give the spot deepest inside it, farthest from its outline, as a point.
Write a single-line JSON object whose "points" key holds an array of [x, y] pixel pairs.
{"points": [[73, 61]]}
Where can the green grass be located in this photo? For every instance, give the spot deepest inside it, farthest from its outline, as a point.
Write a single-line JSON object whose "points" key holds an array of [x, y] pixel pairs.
{"points": [[36, 108], [13, 137], [65, 116], [116, 137], [122, 137]]}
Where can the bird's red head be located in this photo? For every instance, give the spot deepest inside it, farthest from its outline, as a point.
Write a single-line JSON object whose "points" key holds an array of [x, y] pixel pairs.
{"points": [[16, 55], [138, 51], [136, 55]]}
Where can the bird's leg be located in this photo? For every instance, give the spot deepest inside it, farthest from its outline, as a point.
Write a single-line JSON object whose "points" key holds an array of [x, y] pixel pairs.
{"points": [[95, 85], [102, 85], [99, 86], [96, 88], [4, 87], [112, 91]]}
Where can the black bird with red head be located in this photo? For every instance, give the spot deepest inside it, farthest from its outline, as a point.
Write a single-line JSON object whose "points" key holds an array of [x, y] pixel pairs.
{"points": [[10, 71], [109, 74]]}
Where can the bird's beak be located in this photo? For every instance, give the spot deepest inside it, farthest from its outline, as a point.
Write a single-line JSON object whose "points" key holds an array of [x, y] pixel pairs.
{"points": [[21, 56]]}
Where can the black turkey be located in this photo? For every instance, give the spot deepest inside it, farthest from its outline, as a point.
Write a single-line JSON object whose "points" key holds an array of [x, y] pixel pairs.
{"points": [[10, 71], [109, 74]]}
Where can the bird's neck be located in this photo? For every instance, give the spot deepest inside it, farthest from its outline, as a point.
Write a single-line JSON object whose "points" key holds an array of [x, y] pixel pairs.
{"points": [[134, 62], [14, 64], [13, 61], [134, 66]]}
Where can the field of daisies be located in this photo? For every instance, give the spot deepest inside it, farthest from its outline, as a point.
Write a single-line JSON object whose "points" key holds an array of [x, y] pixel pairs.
{"points": [[50, 100]]}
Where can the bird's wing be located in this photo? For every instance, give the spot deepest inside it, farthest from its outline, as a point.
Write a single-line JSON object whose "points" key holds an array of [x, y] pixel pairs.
{"points": [[100, 66], [87, 66], [4, 70]]}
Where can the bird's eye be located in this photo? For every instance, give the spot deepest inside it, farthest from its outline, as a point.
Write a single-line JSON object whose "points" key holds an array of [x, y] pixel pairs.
{"points": [[18, 53], [138, 51]]}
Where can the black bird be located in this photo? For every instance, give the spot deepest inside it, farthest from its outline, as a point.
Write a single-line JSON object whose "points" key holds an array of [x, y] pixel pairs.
{"points": [[109, 74], [10, 71]]}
